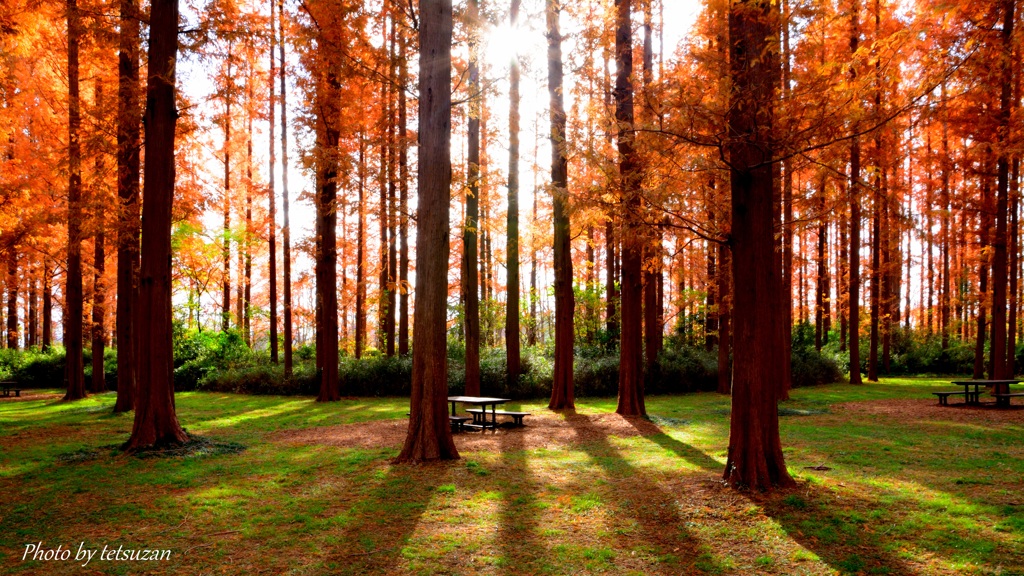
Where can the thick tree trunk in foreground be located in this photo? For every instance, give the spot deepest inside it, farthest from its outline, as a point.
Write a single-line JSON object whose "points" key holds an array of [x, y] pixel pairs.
{"points": [[327, 261], [128, 144], [512, 243], [631, 384], [562, 390], [74, 373], [156, 423], [755, 450], [430, 436]]}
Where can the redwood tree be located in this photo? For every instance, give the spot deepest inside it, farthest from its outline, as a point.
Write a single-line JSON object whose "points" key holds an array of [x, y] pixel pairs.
{"points": [[429, 436], [562, 394], [128, 144], [631, 386], [156, 423], [512, 255], [74, 370], [755, 451]]}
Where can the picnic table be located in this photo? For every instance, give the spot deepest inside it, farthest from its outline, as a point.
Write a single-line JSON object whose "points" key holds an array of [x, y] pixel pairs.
{"points": [[10, 386], [1000, 389], [480, 414]]}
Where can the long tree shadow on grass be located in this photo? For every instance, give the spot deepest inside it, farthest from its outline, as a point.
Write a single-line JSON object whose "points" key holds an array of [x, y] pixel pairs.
{"points": [[522, 553], [842, 530], [655, 511], [384, 518], [698, 458]]}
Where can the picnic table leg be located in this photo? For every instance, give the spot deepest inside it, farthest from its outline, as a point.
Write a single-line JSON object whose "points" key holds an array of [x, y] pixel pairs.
{"points": [[453, 408]]}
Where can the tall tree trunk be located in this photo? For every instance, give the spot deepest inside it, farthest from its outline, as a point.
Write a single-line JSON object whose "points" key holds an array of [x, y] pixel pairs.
{"points": [[944, 202], [786, 302], [226, 254], [631, 385], [12, 298], [392, 196], [286, 237], [247, 236], [47, 328], [1011, 333], [821, 283], [853, 297], [33, 313], [156, 423], [984, 242], [99, 312], [429, 436], [271, 194], [843, 281], [327, 133], [512, 242], [361, 254], [129, 143], [999, 262], [403, 191], [471, 227], [653, 257], [383, 280], [562, 391], [876, 267], [755, 457], [74, 371]]}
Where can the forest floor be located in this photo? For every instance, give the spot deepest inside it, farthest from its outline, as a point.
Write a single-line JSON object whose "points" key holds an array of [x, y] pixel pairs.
{"points": [[887, 483]]}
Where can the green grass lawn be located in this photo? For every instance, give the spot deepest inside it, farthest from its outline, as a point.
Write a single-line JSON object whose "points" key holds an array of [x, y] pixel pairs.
{"points": [[904, 494]]}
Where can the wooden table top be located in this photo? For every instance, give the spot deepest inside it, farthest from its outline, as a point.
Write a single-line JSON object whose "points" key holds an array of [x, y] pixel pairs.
{"points": [[477, 399]]}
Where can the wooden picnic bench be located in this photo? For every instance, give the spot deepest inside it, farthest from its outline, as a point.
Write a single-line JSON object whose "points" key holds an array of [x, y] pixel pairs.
{"points": [[458, 423], [1004, 399], [9, 387], [943, 396], [1000, 391], [480, 415]]}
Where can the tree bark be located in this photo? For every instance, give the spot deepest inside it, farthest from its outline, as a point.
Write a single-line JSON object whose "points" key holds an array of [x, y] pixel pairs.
{"points": [[999, 262], [128, 170], [429, 436], [562, 390], [853, 296], [361, 254], [99, 335], [47, 329], [74, 372], [755, 457], [328, 133], [156, 423], [286, 237], [271, 194], [226, 250], [631, 386], [512, 243], [12, 298], [403, 191], [470, 229]]}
